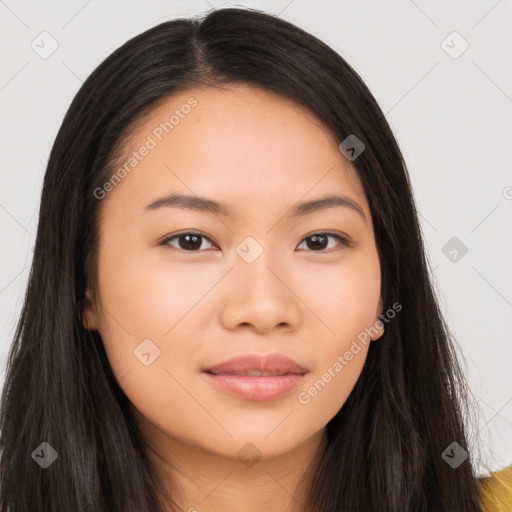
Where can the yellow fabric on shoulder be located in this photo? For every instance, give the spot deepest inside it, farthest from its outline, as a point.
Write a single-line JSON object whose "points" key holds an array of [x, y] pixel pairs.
{"points": [[497, 491]]}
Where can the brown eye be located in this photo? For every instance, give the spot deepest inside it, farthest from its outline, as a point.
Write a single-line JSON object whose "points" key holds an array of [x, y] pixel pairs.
{"points": [[189, 241], [320, 241]]}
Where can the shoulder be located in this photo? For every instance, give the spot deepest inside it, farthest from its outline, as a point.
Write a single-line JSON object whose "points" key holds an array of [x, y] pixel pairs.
{"points": [[497, 491]]}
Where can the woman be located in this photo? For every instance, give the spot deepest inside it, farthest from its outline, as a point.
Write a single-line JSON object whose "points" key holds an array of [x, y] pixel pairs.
{"points": [[298, 360]]}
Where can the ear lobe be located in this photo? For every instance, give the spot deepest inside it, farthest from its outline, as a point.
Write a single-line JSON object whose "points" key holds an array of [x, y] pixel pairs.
{"points": [[379, 324], [90, 314]]}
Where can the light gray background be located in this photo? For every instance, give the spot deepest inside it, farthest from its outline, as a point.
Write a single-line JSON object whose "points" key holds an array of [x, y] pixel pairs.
{"points": [[451, 114]]}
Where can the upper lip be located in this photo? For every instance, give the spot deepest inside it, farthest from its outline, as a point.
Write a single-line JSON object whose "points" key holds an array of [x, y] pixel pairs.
{"points": [[277, 363]]}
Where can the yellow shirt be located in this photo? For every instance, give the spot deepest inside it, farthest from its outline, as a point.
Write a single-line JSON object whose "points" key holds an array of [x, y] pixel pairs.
{"points": [[497, 491]]}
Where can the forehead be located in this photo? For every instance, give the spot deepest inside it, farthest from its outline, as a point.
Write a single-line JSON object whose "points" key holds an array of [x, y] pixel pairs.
{"points": [[237, 144]]}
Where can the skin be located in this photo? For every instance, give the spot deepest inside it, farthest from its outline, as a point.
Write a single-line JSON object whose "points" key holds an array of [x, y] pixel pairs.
{"points": [[260, 154]]}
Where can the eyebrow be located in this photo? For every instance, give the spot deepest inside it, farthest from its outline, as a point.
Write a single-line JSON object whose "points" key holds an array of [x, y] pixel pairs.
{"points": [[205, 204]]}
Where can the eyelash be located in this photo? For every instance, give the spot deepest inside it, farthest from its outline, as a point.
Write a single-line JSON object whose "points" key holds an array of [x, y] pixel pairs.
{"points": [[345, 242]]}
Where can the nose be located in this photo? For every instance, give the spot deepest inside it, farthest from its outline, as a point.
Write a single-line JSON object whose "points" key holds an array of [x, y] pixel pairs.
{"points": [[261, 298]]}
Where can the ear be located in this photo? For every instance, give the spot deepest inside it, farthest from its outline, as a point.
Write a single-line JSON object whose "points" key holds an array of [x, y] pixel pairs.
{"points": [[379, 324], [90, 314]]}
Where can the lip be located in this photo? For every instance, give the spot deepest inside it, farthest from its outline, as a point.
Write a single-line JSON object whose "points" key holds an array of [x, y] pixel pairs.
{"points": [[256, 362], [232, 377]]}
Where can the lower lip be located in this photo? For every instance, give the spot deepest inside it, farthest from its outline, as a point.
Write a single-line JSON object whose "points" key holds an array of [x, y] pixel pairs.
{"points": [[260, 389]]}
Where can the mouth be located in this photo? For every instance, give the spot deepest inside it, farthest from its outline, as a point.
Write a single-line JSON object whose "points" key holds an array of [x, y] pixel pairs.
{"points": [[256, 377], [254, 373]]}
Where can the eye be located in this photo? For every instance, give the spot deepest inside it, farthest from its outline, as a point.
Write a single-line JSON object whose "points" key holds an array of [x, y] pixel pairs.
{"points": [[320, 241], [191, 242], [188, 241]]}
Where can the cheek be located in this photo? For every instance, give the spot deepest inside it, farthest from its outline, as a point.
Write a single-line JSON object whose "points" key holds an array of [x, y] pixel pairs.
{"points": [[150, 295], [347, 304], [344, 296], [150, 300], [328, 388], [144, 299]]}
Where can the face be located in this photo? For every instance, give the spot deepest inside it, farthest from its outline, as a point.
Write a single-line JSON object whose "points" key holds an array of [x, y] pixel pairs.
{"points": [[181, 289]]}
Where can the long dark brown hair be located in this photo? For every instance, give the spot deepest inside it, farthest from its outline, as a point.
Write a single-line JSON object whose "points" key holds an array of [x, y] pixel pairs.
{"points": [[410, 403]]}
